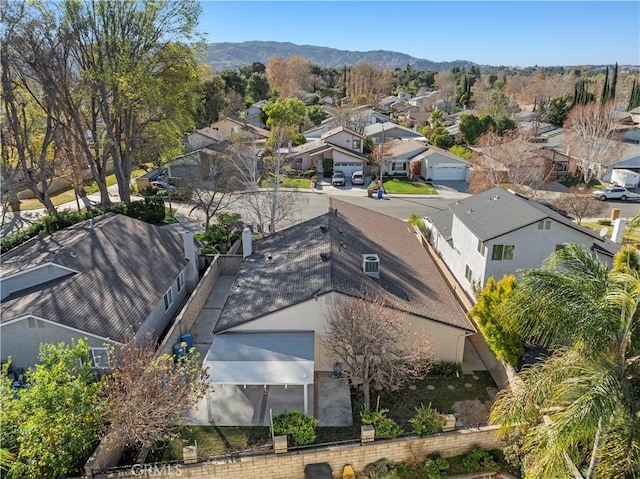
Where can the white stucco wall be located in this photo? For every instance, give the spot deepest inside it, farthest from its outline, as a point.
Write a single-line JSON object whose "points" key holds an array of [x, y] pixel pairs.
{"points": [[21, 339], [345, 140], [447, 342]]}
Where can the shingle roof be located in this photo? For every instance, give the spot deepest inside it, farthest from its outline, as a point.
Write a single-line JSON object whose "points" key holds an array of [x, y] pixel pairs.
{"points": [[124, 266], [496, 212], [409, 279]]}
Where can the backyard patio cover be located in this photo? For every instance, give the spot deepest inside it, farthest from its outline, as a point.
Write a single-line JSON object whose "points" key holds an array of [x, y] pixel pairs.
{"points": [[261, 358]]}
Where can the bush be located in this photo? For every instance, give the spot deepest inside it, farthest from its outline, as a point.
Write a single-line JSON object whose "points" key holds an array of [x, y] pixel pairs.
{"points": [[445, 369], [385, 426], [435, 467], [150, 210], [604, 222], [298, 427], [427, 420], [416, 220], [478, 459]]}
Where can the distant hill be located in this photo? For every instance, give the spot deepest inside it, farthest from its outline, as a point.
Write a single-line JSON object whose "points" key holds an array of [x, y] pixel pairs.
{"points": [[222, 56]]}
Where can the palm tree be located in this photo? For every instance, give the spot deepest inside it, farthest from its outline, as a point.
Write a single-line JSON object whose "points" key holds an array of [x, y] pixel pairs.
{"points": [[436, 118], [586, 391]]}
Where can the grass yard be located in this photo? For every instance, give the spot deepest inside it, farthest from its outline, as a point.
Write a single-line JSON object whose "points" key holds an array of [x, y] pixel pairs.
{"points": [[213, 440], [629, 235], [403, 186], [289, 183]]}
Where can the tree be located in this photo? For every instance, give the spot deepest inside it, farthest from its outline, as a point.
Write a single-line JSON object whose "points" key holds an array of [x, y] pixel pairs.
{"points": [[148, 394], [369, 80], [257, 87], [440, 137], [316, 114], [634, 97], [283, 113], [371, 342], [588, 316], [488, 314], [289, 76], [473, 127], [212, 102], [50, 427], [554, 110], [579, 203], [592, 138], [447, 84]]}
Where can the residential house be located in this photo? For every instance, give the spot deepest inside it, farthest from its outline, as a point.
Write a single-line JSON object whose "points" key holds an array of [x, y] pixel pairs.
{"points": [[421, 100], [104, 279], [236, 129], [517, 161], [437, 164], [397, 154], [498, 232], [202, 138], [416, 118], [253, 114], [384, 132], [388, 103], [270, 329], [341, 145]]}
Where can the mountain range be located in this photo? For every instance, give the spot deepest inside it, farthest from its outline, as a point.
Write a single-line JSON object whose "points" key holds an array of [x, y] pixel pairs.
{"points": [[222, 56]]}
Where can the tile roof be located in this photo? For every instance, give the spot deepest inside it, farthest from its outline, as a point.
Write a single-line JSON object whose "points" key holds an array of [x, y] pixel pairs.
{"points": [[124, 266], [286, 268]]}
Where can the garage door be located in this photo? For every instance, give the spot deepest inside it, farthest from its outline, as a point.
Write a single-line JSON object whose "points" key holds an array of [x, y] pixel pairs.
{"points": [[449, 171], [348, 167]]}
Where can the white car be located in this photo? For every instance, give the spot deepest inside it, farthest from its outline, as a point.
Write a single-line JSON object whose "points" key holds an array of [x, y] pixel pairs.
{"points": [[357, 178], [614, 193]]}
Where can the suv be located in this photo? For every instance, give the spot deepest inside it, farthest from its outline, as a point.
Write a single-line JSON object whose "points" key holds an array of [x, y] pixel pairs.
{"points": [[338, 178], [357, 178], [611, 194]]}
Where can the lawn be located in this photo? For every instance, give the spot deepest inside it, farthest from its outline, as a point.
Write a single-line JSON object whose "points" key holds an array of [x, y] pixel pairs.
{"points": [[66, 196], [629, 235], [289, 183], [403, 186], [213, 440]]}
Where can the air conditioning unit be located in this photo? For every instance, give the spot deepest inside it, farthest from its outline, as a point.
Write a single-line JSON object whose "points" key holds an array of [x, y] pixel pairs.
{"points": [[371, 265]]}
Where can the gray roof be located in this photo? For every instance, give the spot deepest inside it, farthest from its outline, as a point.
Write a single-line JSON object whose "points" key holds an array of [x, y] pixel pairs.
{"points": [[496, 212], [286, 269], [125, 266], [390, 127]]}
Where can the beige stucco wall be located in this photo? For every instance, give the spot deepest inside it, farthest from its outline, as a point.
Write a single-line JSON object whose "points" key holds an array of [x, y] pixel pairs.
{"points": [[21, 339], [447, 342]]}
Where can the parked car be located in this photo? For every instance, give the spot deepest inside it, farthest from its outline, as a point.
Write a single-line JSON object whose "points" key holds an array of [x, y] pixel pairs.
{"points": [[357, 178], [611, 194], [161, 185], [338, 178]]}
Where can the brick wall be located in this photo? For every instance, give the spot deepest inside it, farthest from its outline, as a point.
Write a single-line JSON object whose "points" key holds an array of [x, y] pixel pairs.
{"points": [[288, 465]]}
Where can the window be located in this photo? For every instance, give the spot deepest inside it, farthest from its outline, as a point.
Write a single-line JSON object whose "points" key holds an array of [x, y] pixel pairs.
{"points": [[482, 249], [99, 358], [168, 299], [356, 144], [398, 165], [234, 129], [180, 281], [502, 252], [468, 273], [544, 224]]}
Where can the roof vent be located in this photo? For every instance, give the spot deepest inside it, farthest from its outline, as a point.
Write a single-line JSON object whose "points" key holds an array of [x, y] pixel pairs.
{"points": [[324, 256], [324, 228], [371, 265]]}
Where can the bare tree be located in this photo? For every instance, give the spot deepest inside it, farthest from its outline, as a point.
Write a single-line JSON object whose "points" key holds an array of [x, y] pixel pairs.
{"points": [[149, 394], [272, 205], [591, 139], [579, 203], [447, 84], [289, 76], [354, 118], [369, 80], [373, 345]]}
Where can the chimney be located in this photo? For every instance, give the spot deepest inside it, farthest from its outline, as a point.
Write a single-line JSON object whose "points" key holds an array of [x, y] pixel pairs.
{"points": [[247, 247], [618, 227]]}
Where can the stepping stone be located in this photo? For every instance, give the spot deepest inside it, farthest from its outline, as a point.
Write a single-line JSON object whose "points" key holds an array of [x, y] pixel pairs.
{"points": [[451, 387], [431, 387], [475, 377], [468, 385], [413, 387]]}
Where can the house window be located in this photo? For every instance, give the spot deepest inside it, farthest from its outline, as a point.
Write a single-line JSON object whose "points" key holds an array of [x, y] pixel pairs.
{"points": [[482, 249], [356, 144], [234, 129], [168, 299], [180, 281], [468, 273], [544, 224], [99, 358], [398, 165], [502, 252]]}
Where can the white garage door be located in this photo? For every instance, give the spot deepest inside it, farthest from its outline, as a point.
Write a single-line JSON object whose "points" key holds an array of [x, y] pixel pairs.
{"points": [[449, 171], [348, 167]]}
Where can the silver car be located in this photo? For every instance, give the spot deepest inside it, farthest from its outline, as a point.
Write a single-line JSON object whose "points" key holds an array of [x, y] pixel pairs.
{"points": [[614, 193]]}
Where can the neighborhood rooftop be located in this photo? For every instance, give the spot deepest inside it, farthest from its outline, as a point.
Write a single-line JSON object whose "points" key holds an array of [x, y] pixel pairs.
{"points": [[324, 254]]}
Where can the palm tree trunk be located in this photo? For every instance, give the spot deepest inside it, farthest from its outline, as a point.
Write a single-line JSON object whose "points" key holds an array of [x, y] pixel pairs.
{"points": [[596, 445]]}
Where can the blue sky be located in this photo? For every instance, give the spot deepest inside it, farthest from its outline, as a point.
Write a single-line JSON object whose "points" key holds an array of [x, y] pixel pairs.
{"points": [[513, 33]]}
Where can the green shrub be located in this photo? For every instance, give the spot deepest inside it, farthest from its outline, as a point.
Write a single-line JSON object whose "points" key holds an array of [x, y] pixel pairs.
{"points": [[416, 220], [385, 426], [461, 151], [604, 222], [150, 210], [445, 369], [435, 467], [298, 427], [478, 459], [427, 420]]}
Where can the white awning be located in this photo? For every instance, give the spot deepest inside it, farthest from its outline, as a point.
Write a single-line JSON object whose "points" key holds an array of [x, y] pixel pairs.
{"points": [[261, 358]]}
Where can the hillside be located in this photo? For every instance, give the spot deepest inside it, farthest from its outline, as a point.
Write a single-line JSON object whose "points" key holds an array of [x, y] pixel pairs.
{"points": [[233, 55]]}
